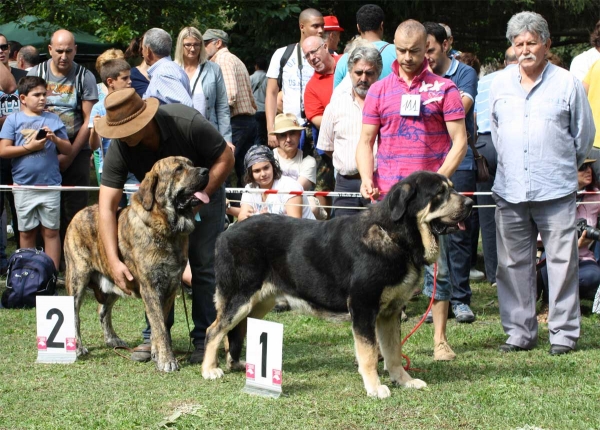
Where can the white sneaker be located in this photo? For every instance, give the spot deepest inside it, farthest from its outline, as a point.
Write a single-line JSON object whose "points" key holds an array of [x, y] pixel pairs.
{"points": [[476, 275]]}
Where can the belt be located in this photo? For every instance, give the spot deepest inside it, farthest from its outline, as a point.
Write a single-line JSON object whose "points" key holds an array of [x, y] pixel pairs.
{"points": [[355, 176], [484, 134]]}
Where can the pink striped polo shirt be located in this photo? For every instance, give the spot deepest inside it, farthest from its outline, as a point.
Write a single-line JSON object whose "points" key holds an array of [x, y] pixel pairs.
{"points": [[411, 143]]}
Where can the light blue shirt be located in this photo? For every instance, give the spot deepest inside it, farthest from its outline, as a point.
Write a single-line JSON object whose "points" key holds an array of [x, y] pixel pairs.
{"points": [[541, 137], [168, 83], [388, 55], [482, 102]]}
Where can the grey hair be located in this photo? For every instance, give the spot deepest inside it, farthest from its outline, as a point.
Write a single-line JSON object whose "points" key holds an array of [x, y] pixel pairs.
{"points": [[159, 41], [527, 22], [367, 53]]}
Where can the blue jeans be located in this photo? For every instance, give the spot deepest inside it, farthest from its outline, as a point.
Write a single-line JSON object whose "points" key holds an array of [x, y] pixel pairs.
{"points": [[202, 258], [443, 285], [243, 132]]}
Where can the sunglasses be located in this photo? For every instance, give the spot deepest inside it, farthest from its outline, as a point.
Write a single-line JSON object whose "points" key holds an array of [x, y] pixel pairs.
{"points": [[584, 167], [367, 73], [4, 47]]}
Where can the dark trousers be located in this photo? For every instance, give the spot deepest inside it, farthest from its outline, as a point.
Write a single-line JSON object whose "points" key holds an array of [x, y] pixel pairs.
{"points": [[71, 202], [344, 184], [487, 219], [202, 258], [243, 130], [589, 279], [261, 133], [459, 244], [6, 179]]}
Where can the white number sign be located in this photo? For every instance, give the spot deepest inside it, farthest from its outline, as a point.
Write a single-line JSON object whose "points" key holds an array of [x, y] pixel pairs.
{"points": [[56, 341], [264, 351]]}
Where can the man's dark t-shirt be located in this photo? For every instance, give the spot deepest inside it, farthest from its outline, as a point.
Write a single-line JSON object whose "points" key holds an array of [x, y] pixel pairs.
{"points": [[183, 132]]}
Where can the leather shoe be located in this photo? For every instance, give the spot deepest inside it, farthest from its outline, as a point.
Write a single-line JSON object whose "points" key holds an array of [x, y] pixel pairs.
{"points": [[198, 355], [560, 349], [507, 347]]}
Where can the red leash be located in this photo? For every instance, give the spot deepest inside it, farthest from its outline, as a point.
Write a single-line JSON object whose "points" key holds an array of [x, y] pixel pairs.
{"points": [[407, 367]]}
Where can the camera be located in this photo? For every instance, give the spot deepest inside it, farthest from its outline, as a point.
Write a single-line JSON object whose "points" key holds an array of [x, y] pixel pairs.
{"points": [[41, 134], [590, 232]]}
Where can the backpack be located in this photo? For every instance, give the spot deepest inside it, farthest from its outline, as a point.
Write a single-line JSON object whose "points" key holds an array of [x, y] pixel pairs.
{"points": [[42, 72], [30, 273], [284, 59]]}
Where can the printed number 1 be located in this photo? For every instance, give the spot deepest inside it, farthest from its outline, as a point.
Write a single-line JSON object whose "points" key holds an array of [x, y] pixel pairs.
{"points": [[263, 365], [59, 322]]}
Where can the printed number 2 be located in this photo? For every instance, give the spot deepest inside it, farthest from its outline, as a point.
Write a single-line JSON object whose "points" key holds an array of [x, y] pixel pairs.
{"points": [[61, 318], [263, 365]]}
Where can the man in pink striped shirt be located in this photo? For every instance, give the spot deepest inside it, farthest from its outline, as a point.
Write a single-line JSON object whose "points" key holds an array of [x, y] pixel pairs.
{"points": [[419, 118]]}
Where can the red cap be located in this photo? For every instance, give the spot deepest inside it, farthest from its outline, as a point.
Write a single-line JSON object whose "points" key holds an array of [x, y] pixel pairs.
{"points": [[332, 24]]}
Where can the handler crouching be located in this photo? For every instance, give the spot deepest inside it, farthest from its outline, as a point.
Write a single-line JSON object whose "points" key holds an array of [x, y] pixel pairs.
{"points": [[144, 132]]}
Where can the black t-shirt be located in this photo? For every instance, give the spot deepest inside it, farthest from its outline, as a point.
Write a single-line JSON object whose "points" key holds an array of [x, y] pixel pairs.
{"points": [[183, 132]]}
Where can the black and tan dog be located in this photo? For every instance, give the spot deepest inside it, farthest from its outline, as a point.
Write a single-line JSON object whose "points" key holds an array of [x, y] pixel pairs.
{"points": [[153, 243], [368, 264]]}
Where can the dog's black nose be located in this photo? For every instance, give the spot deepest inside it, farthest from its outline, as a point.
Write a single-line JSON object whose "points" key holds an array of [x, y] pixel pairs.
{"points": [[203, 171]]}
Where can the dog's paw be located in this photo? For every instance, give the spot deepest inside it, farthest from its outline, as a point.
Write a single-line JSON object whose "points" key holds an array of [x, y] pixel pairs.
{"points": [[169, 365], [415, 383], [381, 392], [81, 351], [215, 373], [236, 366], [116, 342]]}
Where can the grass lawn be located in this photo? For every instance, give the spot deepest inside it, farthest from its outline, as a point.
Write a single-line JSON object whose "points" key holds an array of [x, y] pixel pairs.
{"points": [[321, 387]]}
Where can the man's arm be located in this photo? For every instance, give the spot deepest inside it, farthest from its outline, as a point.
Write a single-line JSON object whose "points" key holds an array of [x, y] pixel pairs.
{"points": [[83, 136], [7, 81], [219, 171], [316, 121], [365, 161], [271, 109], [582, 123], [228, 69], [108, 203], [458, 135]]}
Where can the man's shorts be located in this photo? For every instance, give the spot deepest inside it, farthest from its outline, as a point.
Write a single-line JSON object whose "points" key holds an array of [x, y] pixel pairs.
{"points": [[35, 207]]}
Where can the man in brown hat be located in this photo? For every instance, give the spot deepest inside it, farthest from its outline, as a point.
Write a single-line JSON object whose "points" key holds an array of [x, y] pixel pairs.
{"points": [[144, 132]]}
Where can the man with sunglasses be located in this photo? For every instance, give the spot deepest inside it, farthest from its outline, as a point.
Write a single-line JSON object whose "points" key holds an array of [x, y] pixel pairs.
{"points": [[342, 122]]}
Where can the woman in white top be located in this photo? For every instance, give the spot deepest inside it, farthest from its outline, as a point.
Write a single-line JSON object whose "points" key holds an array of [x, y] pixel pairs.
{"points": [[209, 94], [263, 171]]}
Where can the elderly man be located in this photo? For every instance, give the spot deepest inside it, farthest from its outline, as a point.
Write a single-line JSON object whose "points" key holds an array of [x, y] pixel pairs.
{"points": [[420, 121], [144, 132], [71, 93], [542, 129], [28, 58], [239, 94], [342, 122], [332, 33], [290, 69], [168, 81]]}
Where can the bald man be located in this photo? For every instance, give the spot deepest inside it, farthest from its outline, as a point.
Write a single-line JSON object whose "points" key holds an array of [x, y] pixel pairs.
{"points": [[71, 92], [296, 73], [420, 120]]}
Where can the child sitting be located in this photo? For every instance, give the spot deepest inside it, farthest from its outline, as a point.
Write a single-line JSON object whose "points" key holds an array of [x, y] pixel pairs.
{"points": [[31, 138]]}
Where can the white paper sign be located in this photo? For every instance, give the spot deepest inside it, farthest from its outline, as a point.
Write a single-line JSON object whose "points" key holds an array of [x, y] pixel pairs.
{"points": [[56, 342], [410, 105], [264, 352]]}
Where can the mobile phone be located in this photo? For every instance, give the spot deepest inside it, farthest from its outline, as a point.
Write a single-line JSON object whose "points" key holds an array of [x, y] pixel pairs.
{"points": [[41, 134]]}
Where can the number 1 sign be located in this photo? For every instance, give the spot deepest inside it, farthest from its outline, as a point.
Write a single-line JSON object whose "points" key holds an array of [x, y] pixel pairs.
{"points": [[264, 348], [55, 329]]}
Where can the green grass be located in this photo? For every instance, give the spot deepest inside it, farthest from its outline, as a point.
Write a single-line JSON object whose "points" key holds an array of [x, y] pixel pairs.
{"points": [[321, 387]]}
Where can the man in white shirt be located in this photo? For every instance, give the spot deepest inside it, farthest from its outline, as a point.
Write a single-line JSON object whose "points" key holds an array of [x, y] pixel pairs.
{"points": [[581, 63]]}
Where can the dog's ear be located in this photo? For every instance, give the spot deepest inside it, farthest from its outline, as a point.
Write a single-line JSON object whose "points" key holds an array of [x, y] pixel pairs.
{"points": [[399, 199], [147, 190]]}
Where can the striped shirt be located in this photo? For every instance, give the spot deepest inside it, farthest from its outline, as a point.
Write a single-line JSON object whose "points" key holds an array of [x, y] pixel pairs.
{"points": [[340, 131], [541, 137], [411, 143], [168, 83], [237, 82]]}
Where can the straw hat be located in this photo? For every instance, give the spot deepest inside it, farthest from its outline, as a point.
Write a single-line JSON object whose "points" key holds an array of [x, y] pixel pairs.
{"points": [[589, 160], [126, 114], [286, 122]]}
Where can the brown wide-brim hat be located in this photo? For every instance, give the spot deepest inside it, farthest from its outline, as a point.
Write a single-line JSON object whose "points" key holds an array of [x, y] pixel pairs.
{"points": [[126, 114]]}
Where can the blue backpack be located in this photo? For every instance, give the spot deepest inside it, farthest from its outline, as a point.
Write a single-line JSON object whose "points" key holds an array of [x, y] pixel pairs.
{"points": [[30, 273]]}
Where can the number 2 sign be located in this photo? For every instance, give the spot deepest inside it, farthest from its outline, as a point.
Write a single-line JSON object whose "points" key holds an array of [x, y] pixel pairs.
{"points": [[264, 350], [56, 341]]}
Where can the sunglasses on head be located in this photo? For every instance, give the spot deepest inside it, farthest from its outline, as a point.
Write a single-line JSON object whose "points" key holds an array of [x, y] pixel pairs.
{"points": [[584, 166]]}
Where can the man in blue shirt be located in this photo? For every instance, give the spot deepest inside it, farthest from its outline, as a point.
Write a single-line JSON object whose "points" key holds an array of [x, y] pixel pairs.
{"points": [[542, 129], [459, 244], [486, 148]]}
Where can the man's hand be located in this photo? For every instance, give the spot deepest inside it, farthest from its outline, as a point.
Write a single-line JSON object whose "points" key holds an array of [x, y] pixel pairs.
{"points": [[231, 146], [64, 161], [273, 143], [584, 241], [120, 275], [368, 191]]}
